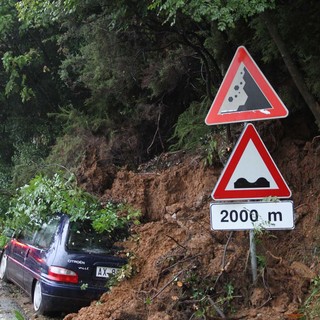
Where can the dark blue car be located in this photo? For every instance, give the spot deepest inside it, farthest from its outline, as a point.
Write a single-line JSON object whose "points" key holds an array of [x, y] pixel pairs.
{"points": [[63, 266]]}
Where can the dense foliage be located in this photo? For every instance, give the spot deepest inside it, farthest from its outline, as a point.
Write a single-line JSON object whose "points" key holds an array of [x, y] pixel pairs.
{"points": [[37, 201], [140, 74]]}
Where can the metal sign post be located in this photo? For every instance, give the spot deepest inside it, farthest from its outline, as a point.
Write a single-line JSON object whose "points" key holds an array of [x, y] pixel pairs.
{"points": [[253, 251], [253, 255]]}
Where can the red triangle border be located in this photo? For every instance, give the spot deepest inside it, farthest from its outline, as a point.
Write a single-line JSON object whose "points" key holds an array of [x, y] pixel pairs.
{"points": [[220, 192]]}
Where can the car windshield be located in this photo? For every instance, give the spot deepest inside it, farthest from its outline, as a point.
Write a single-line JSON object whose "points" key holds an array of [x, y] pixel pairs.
{"points": [[82, 237]]}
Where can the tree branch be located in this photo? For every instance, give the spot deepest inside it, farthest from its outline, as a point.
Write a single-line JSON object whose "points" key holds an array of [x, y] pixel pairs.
{"points": [[292, 68]]}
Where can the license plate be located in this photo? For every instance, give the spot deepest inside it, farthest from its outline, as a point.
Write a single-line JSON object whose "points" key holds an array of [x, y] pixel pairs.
{"points": [[105, 272]]}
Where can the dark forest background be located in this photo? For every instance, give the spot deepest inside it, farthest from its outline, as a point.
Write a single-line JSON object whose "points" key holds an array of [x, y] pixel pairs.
{"points": [[141, 75]]}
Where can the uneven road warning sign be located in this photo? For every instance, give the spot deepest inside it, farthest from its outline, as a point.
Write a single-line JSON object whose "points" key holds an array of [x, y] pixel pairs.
{"points": [[245, 94], [250, 172]]}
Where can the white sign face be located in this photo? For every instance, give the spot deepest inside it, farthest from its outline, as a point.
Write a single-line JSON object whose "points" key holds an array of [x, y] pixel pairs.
{"points": [[252, 215], [252, 167], [236, 96]]}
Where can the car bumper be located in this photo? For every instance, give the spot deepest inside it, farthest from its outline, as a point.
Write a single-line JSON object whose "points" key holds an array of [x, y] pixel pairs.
{"points": [[68, 297]]}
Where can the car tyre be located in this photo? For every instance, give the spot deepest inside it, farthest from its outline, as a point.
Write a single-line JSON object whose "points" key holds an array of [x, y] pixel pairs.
{"points": [[38, 303], [3, 268]]}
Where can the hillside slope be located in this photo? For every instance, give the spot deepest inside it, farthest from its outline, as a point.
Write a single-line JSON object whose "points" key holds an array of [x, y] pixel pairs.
{"points": [[184, 270]]}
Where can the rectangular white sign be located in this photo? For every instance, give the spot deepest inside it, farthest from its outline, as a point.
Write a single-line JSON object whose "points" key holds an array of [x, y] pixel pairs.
{"points": [[252, 215]]}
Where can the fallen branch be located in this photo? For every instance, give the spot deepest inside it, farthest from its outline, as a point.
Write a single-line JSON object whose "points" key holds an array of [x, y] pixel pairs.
{"points": [[168, 283], [247, 261], [225, 249], [180, 245], [275, 257], [156, 133], [218, 310], [181, 261], [223, 264], [267, 288]]}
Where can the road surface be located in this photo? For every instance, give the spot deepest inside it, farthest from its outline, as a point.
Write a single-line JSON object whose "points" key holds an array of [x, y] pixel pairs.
{"points": [[9, 308], [16, 305]]}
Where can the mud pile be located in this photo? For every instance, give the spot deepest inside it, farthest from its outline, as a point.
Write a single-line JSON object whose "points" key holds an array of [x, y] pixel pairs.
{"points": [[182, 269]]}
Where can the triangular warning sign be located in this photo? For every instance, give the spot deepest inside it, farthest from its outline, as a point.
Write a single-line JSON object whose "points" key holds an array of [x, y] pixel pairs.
{"points": [[250, 172], [245, 94]]}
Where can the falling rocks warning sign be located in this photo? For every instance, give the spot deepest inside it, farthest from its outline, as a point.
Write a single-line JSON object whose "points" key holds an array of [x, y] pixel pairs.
{"points": [[245, 94]]}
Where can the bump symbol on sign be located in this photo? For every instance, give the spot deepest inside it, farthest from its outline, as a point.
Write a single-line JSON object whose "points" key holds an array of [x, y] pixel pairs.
{"points": [[259, 183]]}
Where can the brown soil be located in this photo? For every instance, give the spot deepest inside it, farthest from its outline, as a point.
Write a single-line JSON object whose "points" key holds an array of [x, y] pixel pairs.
{"points": [[181, 267]]}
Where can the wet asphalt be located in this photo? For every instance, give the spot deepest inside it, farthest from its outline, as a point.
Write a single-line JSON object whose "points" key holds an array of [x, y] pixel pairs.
{"points": [[9, 308], [16, 305]]}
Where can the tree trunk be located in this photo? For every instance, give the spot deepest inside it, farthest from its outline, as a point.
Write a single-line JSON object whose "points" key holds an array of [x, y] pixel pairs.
{"points": [[292, 68]]}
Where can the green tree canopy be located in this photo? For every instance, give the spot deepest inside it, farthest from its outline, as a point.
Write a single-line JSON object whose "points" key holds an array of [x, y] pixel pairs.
{"points": [[133, 72]]}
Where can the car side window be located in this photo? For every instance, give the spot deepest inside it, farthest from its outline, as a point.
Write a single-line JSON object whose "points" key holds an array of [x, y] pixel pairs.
{"points": [[44, 235], [26, 236]]}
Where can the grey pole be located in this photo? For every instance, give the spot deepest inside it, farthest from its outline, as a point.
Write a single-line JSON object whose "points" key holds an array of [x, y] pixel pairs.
{"points": [[253, 252], [253, 255]]}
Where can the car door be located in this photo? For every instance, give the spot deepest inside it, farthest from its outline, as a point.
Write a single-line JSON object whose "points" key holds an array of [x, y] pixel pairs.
{"points": [[36, 258], [20, 247]]}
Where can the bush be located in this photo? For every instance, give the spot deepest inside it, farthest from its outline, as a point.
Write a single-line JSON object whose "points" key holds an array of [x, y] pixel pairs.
{"points": [[68, 151], [190, 127]]}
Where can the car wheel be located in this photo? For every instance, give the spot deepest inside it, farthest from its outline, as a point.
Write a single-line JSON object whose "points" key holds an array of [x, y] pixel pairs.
{"points": [[3, 268], [38, 304]]}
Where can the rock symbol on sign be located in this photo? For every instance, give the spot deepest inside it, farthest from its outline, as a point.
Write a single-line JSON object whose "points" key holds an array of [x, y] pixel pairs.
{"points": [[250, 172], [245, 94]]}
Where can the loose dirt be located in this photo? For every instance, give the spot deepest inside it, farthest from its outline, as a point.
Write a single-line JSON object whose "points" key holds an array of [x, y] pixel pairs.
{"points": [[183, 270]]}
